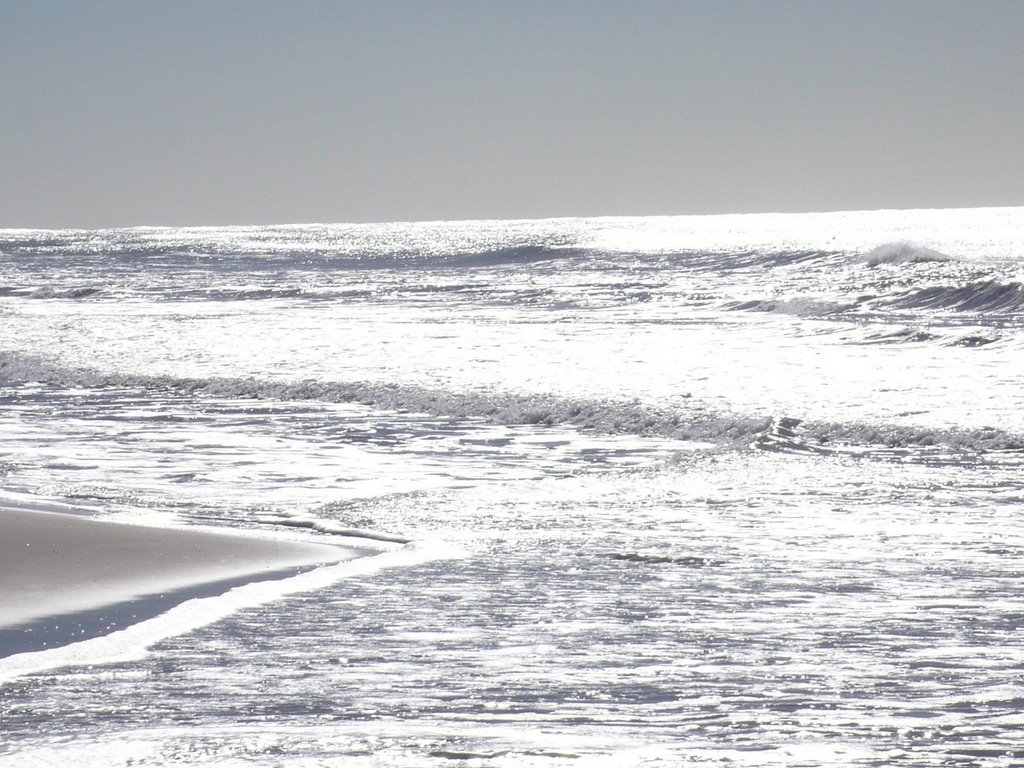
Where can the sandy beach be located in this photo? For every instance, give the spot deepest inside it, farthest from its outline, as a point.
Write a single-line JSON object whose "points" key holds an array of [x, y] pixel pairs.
{"points": [[62, 565]]}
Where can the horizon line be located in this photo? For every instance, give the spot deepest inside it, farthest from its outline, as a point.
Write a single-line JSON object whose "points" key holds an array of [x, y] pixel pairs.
{"points": [[509, 220]]}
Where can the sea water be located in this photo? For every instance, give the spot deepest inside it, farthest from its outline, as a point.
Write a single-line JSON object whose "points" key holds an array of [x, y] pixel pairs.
{"points": [[717, 490]]}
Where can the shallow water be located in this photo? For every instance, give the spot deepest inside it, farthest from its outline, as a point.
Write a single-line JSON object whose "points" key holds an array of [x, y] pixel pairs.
{"points": [[739, 490]]}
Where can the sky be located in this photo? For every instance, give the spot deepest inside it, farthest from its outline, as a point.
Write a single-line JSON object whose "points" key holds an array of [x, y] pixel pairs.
{"points": [[265, 112]]}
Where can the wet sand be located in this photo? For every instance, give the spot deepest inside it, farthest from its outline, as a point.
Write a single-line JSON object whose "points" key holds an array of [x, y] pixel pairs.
{"points": [[55, 564]]}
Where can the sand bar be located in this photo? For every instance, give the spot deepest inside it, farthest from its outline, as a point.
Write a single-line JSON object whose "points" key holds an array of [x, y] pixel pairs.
{"points": [[54, 564]]}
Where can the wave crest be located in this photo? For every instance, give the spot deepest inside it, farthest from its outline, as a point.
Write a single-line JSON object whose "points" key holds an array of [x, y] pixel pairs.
{"points": [[76, 292], [694, 423], [903, 252], [790, 435], [986, 296]]}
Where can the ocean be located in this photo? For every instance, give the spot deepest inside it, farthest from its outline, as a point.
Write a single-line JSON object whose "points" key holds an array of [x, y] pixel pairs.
{"points": [[660, 491]]}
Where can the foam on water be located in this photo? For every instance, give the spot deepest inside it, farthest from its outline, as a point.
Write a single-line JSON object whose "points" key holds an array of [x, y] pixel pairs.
{"points": [[902, 253], [605, 417], [133, 642], [724, 488]]}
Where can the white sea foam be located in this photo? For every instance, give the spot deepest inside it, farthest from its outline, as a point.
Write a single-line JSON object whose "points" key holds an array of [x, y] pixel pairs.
{"points": [[800, 307], [902, 253], [133, 642], [698, 531], [601, 416]]}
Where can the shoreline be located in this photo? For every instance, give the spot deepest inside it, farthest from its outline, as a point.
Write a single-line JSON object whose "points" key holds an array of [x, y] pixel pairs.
{"points": [[66, 578]]}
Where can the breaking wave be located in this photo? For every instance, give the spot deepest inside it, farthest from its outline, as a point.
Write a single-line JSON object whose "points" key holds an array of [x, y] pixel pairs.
{"points": [[785, 434], [607, 417], [986, 296], [694, 423], [902, 253]]}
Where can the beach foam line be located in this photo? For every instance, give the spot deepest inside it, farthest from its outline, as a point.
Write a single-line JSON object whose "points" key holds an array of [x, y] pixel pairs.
{"points": [[133, 642], [693, 422], [63, 576]]}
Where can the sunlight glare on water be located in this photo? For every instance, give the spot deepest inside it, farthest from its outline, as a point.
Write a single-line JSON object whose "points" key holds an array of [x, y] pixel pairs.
{"points": [[741, 490]]}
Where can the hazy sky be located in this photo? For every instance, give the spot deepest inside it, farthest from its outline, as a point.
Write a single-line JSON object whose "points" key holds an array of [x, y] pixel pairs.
{"points": [[217, 112]]}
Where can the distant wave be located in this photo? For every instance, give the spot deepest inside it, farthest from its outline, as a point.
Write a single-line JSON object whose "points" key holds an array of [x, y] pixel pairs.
{"points": [[123, 250], [601, 416], [353, 248], [983, 297], [397, 289], [728, 261], [644, 558], [899, 334], [990, 297], [427, 259], [902, 253], [986, 296], [245, 294], [74, 292], [250, 294], [520, 254], [906, 335], [974, 340], [798, 307], [162, 293]]}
